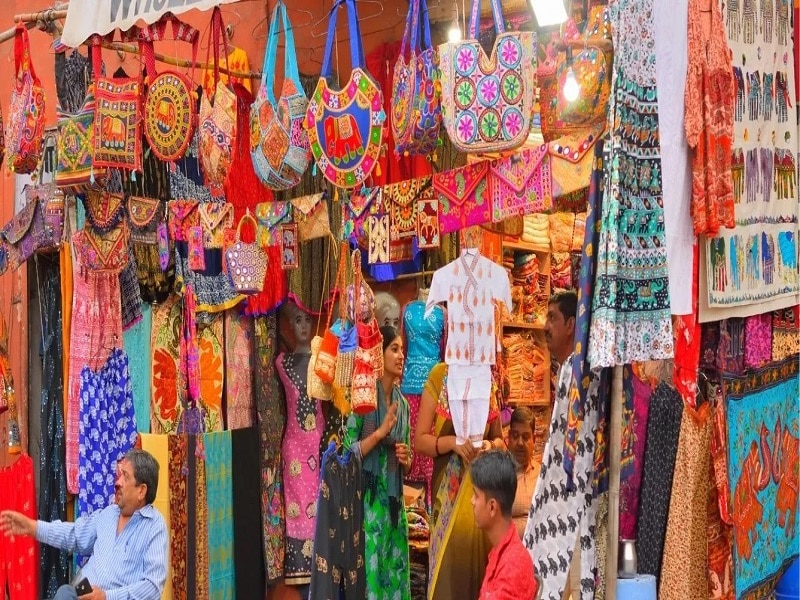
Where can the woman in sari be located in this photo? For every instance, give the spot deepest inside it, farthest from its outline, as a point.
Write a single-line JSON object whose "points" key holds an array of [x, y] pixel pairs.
{"points": [[382, 440], [458, 549]]}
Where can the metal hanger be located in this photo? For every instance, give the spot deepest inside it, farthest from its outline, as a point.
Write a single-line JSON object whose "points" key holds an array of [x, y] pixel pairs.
{"points": [[430, 5], [265, 21], [361, 18]]}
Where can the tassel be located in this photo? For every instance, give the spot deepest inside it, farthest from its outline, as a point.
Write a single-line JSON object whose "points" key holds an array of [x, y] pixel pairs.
{"points": [[336, 195], [133, 176], [378, 171], [91, 176], [314, 170]]}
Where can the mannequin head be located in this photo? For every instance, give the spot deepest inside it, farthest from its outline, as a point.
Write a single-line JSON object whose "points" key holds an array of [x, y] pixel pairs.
{"points": [[302, 327], [388, 310]]}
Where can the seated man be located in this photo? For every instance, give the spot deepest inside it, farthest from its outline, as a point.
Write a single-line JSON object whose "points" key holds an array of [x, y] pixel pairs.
{"points": [[521, 437], [127, 541], [509, 573]]}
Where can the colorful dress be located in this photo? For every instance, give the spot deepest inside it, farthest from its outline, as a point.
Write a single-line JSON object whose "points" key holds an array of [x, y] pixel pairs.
{"points": [[304, 428], [631, 318], [386, 538]]}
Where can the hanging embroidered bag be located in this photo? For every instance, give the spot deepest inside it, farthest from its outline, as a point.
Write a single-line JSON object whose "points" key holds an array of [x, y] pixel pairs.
{"points": [[520, 184], [367, 368], [75, 171], [416, 89], [311, 216], [572, 160], [278, 143], [357, 209], [271, 215], [401, 201], [488, 101], [26, 117], [345, 128], [247, 262], [217, 122], [215, 219], [170, 101], [38, 227], [463, 197]]}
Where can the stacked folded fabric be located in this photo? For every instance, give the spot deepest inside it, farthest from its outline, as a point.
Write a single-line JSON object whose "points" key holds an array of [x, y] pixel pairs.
{"points": [[535, 230], [562, 229], [560, 270], [524, 269], [580, 230], [526, 370]]}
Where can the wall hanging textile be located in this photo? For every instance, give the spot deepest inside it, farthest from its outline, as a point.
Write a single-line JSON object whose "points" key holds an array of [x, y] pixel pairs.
{"points": [[247, 262], [416, 90], [278, 143], [117, 122], [26, 117], [591, 65], [170, 100], [217, 124], [487, 102], [75, 143], [168, 381], [520, 184], [463, 197], [763, 444], [240, 408], [401, 203], [345, 128]]}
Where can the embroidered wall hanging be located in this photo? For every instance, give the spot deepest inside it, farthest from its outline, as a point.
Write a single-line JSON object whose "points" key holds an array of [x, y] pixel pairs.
{"points": [[401, 200], [428, 236], [378, 239], [356, 210], [345, 128], [75, 143], [270, 216], [520, 184], [290, 257]]}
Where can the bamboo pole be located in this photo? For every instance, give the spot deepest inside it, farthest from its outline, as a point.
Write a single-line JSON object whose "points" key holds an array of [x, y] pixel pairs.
{"points": [[50, 14]]}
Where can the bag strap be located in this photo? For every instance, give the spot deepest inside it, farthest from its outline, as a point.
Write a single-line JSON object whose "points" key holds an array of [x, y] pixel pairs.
{"points": [[425, 25], [475, 18], [217, 39], [290, 70], [181, 32], [250, 219], [356, 49], [411, 21], [22, 51]]}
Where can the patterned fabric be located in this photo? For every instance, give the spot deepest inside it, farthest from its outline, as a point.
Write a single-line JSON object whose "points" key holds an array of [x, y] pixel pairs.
{"points": [[463, 196], [118, 143], [168, 379], [212, 373], [240, 408], [178, 508], [785, 332], [278, 143], [684, 574], [688, 336], [221, 579], [631, 309], [339, 550], [634, 439], [424, 340], [663, 425], [758, 341], [520, 184], [300, 452], [488, 108], [202, 508], [763, 446], [562, 517], [19, 554], [271, 409], [107, 429], [720, 532], [130, 296], [710, 96]]}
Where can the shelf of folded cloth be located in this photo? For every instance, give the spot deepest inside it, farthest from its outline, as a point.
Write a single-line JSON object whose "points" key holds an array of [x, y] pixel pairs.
{"points": [[530, 284], [526, 368]]}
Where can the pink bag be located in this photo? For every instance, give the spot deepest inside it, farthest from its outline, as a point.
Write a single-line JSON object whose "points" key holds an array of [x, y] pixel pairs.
{"points": [[463, 197]]}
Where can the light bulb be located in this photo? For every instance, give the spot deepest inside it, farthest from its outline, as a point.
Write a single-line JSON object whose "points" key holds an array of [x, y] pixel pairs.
{"points": [[572, 89], [454, 34], [549, 12]]}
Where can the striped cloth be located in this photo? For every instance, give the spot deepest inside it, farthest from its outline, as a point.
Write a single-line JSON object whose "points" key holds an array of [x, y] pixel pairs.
{"points": [[219, 488]]}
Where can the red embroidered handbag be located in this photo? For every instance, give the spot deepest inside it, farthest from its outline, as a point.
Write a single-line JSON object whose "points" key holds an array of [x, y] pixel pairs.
{"points": [[26, 119], [463, 197]]}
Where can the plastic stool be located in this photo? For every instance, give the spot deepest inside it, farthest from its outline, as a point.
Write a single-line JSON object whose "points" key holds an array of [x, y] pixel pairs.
{"points": [[788, 587], [641, 587]]}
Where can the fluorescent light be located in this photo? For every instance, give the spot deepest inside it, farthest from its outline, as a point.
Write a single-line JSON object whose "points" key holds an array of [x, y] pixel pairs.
{"points": [[549, 12]]}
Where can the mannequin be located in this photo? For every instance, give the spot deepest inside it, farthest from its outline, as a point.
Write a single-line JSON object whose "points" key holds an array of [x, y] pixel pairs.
{"points": [[387, 310], [304, 426]]}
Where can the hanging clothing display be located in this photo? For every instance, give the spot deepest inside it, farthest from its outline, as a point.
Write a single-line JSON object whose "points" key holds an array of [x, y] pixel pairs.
{"points": [[271, 409], [338, 559], [300, 451], [221, 572], [663, 425], [470, 285], [96, 322], [562, 517], [634, 442], [107, 429], [19, 555], [210, 345], [240, 407], [424, 342], [631, 307], [136, 342]]}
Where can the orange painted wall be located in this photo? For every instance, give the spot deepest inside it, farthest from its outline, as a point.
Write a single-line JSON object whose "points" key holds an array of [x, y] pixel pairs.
{"points": [[249, 32]]}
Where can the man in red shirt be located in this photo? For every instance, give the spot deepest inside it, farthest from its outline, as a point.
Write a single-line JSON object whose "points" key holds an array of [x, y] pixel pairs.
{"points": [[509, 573]]}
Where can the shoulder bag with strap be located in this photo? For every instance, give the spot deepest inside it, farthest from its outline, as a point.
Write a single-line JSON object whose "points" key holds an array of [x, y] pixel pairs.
{"points": [[278, 143], [26, 116], [217, 116], [117, 122], [416, 92], [171, 98], [488, 101], [345, 128], [75, 171]]}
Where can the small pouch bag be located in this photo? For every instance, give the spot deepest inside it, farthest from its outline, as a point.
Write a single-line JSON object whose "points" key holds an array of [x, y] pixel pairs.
{"points": [[572, 161], [215, 218], [270, 216], [463, 197], [75, 171], [146, 216], [416, 89], [311, 216], [345, 128], [367, 368], [217, 116], [171, 100], [325, 364], [247, 262], [117, 118], [26, 115], [278, 143], [357, 208], [104, 210], [317, 388], [520, 184], [487, 101], [401, 201]]}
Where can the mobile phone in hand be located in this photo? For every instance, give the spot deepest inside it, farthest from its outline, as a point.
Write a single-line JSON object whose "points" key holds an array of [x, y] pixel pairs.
{"points": [[83, 587]]}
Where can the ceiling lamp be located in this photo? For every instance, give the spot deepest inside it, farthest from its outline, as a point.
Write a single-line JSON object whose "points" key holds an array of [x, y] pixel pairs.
{"points": [[549, 12]]}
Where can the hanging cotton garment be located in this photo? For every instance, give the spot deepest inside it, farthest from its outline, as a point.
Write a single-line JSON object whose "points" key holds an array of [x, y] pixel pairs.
{"points": [[561, 517], [631, 318], [19, 554]]}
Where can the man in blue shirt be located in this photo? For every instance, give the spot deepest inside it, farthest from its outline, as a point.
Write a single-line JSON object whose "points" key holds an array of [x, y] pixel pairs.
{"points": [[127, 541]]}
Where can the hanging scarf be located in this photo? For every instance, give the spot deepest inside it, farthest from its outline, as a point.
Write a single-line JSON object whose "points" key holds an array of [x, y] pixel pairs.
{"points": [[399, 433]]}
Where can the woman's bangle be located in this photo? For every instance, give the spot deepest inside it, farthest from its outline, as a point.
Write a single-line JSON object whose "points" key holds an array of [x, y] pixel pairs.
{"points": [[437, 447]]}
